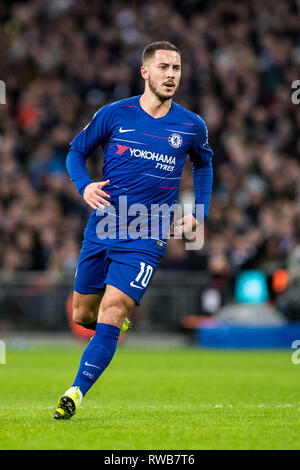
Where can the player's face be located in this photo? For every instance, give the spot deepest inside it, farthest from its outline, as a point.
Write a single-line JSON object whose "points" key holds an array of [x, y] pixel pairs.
{"points": [[162, 73]]}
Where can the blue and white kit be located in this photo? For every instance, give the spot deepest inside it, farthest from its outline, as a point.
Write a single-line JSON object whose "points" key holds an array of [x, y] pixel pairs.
{"points": [[143, 159]]}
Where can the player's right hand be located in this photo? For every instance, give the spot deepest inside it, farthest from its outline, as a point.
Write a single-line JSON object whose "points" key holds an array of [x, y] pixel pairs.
{"points": [[95, 197]]}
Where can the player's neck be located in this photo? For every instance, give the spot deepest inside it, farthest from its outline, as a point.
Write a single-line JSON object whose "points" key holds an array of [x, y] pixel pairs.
{"points": [[153, 105]]}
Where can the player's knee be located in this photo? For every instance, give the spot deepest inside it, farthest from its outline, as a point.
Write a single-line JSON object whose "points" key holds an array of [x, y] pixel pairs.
{"points": [[82, 315], [115, 307], [114, 313]]}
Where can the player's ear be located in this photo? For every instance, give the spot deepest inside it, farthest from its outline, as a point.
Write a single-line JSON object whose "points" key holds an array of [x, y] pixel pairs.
{"points": [[144, 72]]}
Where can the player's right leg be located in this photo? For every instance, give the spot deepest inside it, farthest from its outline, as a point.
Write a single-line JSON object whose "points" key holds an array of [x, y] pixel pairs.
{"points": [[86, 308]]}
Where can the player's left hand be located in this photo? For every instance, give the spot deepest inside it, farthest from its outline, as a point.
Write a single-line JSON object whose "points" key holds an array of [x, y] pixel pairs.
{"points": [[186, 224]]}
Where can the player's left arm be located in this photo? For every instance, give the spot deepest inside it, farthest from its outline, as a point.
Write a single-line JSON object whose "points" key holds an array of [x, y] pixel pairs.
{"points": [[201, 158]]}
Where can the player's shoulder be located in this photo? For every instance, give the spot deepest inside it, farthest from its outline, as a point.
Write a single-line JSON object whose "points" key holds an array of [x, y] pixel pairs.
{"points": [[190, 117], [123, 104]]}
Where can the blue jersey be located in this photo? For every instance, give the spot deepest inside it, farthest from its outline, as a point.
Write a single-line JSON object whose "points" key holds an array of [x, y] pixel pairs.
{"points": [[143, 159]]}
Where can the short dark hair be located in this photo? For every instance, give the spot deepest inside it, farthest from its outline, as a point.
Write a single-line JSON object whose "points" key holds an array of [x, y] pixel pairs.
{"points": [[149, 50]]}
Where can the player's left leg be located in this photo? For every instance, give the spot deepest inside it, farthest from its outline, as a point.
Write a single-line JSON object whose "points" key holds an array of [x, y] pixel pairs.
{"points": [[86, 309], [114, 308], [127, 278], [89, 285]]}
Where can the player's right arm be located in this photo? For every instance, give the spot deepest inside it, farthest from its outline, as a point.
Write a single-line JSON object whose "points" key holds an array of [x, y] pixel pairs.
{"points": [[81, 147]]}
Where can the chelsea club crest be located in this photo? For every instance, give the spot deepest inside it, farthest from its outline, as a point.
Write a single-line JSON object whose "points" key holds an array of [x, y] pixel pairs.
{"points": [[175, 140]]}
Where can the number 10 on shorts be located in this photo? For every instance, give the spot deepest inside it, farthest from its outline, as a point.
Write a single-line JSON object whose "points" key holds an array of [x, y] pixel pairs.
{"points": [[143, 276]]}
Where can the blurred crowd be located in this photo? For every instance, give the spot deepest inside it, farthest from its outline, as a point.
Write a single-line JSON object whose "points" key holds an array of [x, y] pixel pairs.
{"points": [[62, 60]]}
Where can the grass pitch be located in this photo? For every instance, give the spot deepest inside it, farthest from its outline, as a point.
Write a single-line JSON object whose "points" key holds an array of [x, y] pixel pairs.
{"points": [[185, 399]]}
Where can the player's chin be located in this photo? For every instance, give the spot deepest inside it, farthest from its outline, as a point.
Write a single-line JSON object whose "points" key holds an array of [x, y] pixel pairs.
{"points": [[169, 93]]}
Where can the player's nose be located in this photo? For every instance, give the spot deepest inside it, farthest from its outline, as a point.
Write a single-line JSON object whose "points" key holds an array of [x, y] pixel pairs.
{"points": [[171, 73]]}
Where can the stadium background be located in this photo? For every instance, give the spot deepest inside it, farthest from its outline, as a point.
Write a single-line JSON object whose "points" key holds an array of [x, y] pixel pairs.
{"points": [[62, 60]]}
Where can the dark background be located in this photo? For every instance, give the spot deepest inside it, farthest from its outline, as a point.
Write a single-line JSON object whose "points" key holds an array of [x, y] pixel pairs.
{"points": [[62, 60]]}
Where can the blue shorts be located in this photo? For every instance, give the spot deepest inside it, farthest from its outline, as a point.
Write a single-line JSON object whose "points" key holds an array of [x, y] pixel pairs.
{"points": [[129, 271]]}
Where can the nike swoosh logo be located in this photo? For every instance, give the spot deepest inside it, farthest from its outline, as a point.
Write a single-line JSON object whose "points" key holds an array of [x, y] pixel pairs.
{"points": [[91, 365], [133, 285], [126, 130]]}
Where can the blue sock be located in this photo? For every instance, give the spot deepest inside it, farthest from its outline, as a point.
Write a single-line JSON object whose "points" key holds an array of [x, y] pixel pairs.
{"points": [[97, 356]]}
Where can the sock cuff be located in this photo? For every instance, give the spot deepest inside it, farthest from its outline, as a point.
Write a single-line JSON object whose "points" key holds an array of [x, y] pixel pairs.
{"points": [[108, 330]]}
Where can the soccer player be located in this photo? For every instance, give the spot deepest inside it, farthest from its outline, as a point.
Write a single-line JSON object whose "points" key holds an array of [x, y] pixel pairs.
{"points": [[145, 140]]}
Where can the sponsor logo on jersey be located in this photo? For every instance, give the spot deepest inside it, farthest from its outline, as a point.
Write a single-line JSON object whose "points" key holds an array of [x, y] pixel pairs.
{"points": [[121, 149], [158, 157], [163, 162], [175, 140]]}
